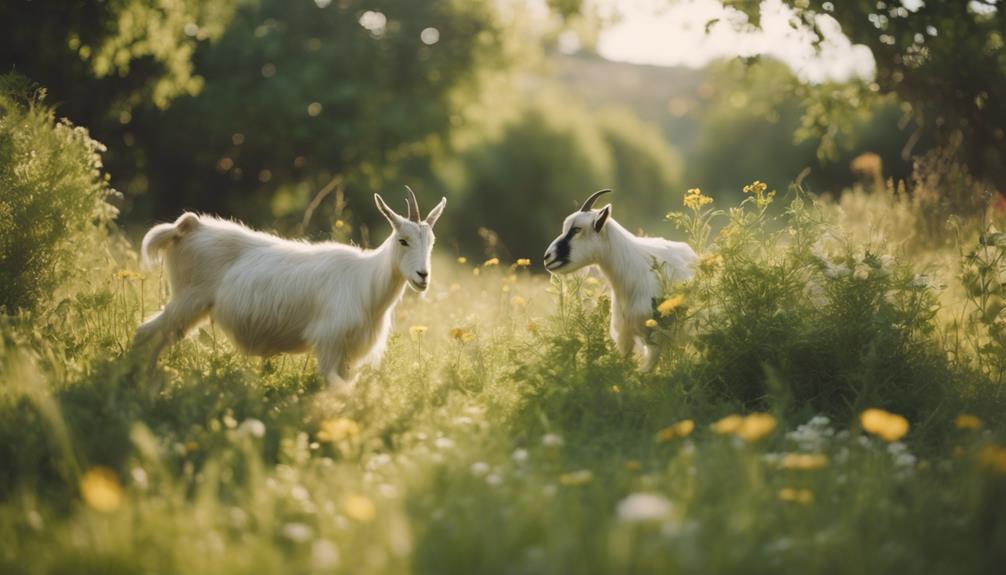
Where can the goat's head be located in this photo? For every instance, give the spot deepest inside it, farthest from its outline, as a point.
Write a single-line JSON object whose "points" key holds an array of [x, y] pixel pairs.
{"points": [[413, 239], [581, 239]]}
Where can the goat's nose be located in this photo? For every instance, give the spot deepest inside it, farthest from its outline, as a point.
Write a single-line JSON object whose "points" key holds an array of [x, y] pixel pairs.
{"points": [[422, 274]]}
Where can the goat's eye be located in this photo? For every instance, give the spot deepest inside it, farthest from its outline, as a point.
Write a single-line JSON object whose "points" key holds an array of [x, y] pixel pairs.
{"points": [[404, 243], [574, 230]]}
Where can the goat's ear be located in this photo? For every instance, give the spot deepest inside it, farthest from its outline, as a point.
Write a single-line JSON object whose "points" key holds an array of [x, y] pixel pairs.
{"points": [[434, 214], [393, 218], [602, 218]]}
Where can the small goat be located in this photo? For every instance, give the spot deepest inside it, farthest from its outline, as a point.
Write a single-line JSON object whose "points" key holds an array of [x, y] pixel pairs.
{"points": [[593, 237], [273, 295]]}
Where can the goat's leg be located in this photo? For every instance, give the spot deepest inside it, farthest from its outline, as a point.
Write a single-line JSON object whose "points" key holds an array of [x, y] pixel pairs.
{"points": [[169, 325], [622, 336], [334, 367], [650, 357]]}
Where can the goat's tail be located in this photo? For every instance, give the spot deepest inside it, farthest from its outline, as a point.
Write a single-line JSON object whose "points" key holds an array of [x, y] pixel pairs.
{"points": [[161, 236]]}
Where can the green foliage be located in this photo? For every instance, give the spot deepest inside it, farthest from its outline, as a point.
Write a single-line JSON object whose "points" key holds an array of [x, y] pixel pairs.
{"points": [[797, 317], [548, 159], [646, 169], [52, 195], [131, 50], [758, 110], [533, 175], [945, 60], [347, 89], [504, 433]]}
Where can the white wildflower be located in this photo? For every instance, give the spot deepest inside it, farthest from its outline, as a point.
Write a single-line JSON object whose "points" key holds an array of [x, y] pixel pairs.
{"points": [[479, 468], [297, 532], [900, 455], [253, 427], [813, 435], [551, 440], [643, 507], [324, 554]]}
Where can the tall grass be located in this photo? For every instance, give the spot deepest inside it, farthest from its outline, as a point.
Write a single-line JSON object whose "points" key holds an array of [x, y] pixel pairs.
{"points": [[502, 433], [508, 436]]}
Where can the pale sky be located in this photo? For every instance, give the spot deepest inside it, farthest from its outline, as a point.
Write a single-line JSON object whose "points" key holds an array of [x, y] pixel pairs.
{"points": [[672, 33]]}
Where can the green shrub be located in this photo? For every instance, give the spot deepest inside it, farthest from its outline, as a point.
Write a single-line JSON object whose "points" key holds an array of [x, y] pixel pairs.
{"points": [[52, 194], [788, 313]]}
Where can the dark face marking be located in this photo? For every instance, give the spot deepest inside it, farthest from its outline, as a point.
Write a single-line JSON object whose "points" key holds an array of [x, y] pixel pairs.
{"points": [[562, 248]]}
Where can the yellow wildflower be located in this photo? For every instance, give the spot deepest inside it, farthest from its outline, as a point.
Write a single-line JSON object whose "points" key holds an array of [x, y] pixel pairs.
{"points": [[695, 199], [101, 490], [755, 187], [680, 429], [523, 262], [576, 477], [651, 323], [359, 508], [338, 429], [967, 421], [461, 334], [728, 425], [128, 275], [616, 389], [993, 458], [462, 260], [751, 428], [758, 189], [518, 301], [417, 331], [670, 304], [532, 327], [756, 426], [801, 496], [339, 224], [710, 262], [804, 461], [491, 262], [885, 425]]}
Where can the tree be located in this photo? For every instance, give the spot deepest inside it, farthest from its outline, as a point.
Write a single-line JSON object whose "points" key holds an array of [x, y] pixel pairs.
{"points": [[946, 60], [121, 53], [303, 91]]}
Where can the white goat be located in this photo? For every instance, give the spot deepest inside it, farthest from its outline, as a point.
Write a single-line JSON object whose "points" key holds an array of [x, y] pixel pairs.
{"points": [[273, 295], [627, 261]]}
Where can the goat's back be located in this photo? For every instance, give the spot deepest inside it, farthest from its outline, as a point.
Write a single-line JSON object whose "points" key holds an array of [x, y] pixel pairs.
{"points": [[678, 256]]}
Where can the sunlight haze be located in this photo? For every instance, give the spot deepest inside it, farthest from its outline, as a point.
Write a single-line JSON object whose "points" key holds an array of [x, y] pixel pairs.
{"points": [[668, 33]]}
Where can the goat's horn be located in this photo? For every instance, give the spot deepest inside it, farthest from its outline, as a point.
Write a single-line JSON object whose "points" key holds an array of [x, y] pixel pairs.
{"points": [[413, 205], [587, 205]]}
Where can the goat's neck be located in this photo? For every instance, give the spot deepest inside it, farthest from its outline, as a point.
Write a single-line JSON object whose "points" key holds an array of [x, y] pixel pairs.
{"points": [[626, 267], [386, 281]]}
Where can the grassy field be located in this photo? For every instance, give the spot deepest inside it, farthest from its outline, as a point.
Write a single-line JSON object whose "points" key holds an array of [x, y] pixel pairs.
{"points": [[830, 400]]}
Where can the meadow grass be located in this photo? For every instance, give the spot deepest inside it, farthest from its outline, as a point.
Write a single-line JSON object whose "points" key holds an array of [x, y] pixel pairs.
{"points": [[502, 433]]}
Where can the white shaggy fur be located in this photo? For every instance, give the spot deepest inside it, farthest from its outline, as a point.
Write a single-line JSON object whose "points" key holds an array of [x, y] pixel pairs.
{"points": [[273, 295], [627, 261]]}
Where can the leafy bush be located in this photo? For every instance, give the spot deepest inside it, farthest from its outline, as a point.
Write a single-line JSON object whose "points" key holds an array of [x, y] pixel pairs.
{"points": [[554, 154], [786, 312], [52, 193]]}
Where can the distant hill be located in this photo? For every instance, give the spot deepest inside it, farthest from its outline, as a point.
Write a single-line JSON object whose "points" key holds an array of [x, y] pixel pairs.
{"points": [[670, 98]]}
